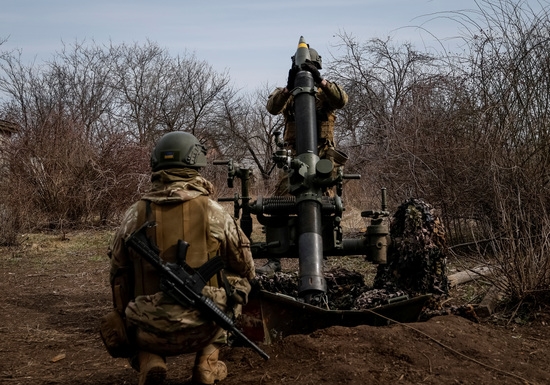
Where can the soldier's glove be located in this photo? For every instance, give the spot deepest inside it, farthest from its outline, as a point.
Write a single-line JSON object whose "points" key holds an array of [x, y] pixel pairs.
{"points": [[291, 76], [310, 67]]}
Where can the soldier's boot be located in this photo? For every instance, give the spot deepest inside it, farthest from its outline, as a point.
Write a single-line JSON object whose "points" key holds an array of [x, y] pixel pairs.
{"points": [[271, 267], [208, 369], [152, 368]]}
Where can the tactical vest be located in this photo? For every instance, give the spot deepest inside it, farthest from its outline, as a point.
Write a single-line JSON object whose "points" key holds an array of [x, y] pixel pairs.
{"points": [[182, 220]]}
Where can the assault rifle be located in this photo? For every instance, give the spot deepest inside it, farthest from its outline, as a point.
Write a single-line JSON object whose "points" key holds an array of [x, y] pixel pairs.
{"points": [[186, 287]]}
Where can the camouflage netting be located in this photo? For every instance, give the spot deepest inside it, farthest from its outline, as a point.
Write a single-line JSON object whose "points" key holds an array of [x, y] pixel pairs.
{"points": [[416, 265], [417, 253]]}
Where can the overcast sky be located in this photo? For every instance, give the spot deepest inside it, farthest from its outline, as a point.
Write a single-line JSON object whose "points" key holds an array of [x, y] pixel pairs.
{"points": [[252, 40]]}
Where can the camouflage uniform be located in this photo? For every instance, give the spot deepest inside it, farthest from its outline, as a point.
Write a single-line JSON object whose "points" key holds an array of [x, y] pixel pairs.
{"points": [[155, 323], [327, 101]]}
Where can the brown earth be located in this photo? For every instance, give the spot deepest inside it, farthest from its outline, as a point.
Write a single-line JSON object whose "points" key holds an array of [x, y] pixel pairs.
{"points": [[53, 291]]}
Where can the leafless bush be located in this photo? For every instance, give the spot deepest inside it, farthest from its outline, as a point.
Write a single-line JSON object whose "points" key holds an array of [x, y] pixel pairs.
{"points": [[466, 133], [11, 215], [509, 78], [88, 120], [57, 178], [119, 175], [518, 254]]}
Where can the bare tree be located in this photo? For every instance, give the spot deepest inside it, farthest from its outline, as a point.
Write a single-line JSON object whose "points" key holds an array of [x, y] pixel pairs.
{"points": [[249, 133], [397, 122], [204, 93], [82, 76], [88, 119], [143, 85]]}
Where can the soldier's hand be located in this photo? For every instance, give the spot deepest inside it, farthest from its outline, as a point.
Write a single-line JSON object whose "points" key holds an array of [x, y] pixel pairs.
{"points": [[310, 67], [291, 76]]}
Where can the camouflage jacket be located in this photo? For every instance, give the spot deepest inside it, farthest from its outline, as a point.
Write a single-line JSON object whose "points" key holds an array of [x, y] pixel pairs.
{"points": [[178, 185], [327, 101]]}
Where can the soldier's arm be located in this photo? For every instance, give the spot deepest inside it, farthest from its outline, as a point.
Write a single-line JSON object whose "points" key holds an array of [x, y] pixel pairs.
{"points": [[121, 274], [335, 95], [122, 267], [234, 245], [238, 247], [277, 101]]}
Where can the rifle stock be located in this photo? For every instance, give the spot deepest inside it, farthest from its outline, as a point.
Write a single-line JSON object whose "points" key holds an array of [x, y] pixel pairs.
{"points": [[185, 288]]}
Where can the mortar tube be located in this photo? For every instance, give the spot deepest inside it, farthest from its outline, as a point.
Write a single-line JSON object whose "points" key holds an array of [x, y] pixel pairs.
{"points": [[310, 250], [305, 115], [309, 232]]}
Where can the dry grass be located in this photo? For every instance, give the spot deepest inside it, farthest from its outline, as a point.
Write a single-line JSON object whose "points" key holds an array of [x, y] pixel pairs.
{"points": [[52, 247]]}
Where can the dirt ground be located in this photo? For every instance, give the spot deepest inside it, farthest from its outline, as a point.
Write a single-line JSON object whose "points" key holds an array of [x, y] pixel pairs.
{"points": [[54, 290]]}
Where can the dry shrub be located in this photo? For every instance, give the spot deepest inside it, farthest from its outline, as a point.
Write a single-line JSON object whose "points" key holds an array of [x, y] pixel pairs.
{"points": [[11, 225], [54, 177], [520, 255], [122, 174]]}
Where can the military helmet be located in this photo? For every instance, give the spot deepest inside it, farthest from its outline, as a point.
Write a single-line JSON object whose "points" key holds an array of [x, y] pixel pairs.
{"points": [[316, 58], [178, 149]]}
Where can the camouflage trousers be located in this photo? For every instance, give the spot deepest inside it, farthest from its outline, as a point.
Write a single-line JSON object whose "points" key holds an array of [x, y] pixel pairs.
{"points": [[166, 328]]}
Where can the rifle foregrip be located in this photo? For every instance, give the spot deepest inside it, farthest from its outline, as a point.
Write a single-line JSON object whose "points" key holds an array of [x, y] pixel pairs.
{"points": [[221, 318]]}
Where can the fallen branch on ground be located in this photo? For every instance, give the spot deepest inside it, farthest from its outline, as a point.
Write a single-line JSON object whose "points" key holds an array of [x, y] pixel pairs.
{"points": [[469, 275]]}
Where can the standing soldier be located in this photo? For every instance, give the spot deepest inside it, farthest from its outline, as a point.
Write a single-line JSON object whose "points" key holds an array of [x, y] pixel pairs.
{"points": [[146, 326], [328, 98]]}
